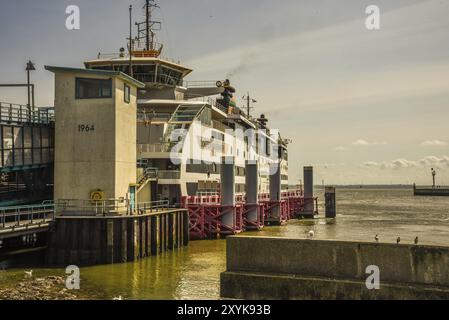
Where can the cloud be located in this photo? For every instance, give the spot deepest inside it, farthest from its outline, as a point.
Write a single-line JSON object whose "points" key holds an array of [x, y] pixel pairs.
{"points": [[340, 148], [364, 143], [434, 161], [434, 143], [370, 164], [438, 162], [313, 62], [402, 164]]}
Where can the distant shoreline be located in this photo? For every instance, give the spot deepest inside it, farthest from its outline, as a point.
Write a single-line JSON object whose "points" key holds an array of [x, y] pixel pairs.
{"points": [[373, 186]]}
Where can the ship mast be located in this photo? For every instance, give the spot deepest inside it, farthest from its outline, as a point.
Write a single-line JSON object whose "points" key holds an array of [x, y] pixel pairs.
{"points": [[146, 31]]}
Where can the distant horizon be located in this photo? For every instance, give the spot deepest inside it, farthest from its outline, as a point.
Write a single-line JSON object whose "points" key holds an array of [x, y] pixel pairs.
{"points": [[319, 186]]}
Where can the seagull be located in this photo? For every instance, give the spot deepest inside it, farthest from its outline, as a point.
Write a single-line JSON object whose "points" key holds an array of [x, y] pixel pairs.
{"points": [[398, 240], [416, 240], [29, 274], [311, 234], [376, 238], [118, 298]]}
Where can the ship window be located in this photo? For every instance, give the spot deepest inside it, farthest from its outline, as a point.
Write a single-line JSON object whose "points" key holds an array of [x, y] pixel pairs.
{"points": [[268, 147], [144, 73], [93, 88], [186, 113], [127, 93], [169, 76], [107, 68]]}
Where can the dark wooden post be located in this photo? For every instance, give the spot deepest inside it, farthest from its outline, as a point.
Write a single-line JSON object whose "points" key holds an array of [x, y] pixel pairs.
{"points": [[331, 205]]}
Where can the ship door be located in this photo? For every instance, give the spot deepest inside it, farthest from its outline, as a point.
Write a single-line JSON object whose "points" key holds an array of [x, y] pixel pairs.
{"points": [[132, 197], [165, 192]]}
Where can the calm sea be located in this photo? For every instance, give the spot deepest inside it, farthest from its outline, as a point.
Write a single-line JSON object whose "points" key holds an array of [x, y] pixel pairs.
{"points": [[193, 273]]}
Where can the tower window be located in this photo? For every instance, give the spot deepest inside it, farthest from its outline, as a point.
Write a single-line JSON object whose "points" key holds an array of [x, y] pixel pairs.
{"points": [[127, 93], [93, 88]]}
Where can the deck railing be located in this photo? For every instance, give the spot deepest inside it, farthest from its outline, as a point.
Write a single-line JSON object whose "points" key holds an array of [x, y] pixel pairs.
{"points": [[150, 207], [202, 84], [106, 207], [157, 147], [169, 174], [16, 113], [153, 117], [12, 218], [90, 207], [25, 216]]}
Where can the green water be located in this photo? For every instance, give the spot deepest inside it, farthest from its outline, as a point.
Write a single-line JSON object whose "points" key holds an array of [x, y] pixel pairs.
{"points": [[194, 272]]}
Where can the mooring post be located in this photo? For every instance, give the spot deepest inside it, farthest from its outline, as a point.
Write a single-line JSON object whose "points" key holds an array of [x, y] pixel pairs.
{"points": [[330, 202], [228, 191], [252, 190], [186, 228], [275, 190], [309, 206]]}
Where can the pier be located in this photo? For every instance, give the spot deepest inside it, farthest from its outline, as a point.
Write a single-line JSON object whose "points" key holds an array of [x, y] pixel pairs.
{"points": [[431, 191], [104, 239], [84, 233], [434, 190]]}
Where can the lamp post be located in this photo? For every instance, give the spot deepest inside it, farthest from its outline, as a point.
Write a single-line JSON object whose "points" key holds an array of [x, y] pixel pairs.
{"points": [[29, 67]]}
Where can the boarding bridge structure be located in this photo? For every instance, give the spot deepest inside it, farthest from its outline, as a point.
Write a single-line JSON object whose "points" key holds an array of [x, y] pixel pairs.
{"points": [[26, 153]]}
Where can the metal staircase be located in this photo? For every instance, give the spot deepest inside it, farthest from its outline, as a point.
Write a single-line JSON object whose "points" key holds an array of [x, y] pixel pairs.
{"points": [[149, 174]]}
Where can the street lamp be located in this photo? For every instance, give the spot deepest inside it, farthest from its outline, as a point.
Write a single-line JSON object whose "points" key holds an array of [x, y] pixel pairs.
{"points": [[30, 67]]}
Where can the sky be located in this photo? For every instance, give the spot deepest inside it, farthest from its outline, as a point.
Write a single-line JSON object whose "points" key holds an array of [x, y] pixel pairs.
{"points": [[362, 106]]}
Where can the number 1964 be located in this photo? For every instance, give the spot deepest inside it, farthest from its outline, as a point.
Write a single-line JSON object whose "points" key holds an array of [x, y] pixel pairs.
{"points": [[86, 128]]}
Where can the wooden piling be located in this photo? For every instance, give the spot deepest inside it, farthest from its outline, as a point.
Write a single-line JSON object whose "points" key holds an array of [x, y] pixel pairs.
{"points": [[116, 239], [330, 202]]}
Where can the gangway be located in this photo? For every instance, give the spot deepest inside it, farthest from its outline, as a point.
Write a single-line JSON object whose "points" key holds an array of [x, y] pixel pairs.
{"points": [[26, 152], [25, 220], [21, 221]]}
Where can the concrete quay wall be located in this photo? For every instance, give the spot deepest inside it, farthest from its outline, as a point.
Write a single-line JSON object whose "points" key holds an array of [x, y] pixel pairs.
{"points": [[279, 268]]}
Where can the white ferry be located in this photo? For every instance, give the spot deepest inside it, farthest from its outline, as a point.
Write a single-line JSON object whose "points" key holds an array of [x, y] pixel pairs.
{"points": [[186, 128]]}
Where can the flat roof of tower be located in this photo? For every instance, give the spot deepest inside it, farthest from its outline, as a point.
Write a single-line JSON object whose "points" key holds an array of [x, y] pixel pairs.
{"points": [[109, 73], [137, 60]]}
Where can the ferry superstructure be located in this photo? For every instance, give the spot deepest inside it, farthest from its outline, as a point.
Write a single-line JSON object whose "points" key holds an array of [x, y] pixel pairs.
{"points": [[185, 129]]}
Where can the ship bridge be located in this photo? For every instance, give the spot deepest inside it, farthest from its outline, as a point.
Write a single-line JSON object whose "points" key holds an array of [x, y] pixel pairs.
{"points": [[26, 153]]}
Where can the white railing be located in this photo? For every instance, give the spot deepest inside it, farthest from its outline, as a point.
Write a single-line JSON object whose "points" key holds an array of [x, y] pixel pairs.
{"points": [[15, 113], [25, 216], [157, 147], [150, 116], [107, 207], [90, 207], [150, 207], [203, 84], [169, 174]]}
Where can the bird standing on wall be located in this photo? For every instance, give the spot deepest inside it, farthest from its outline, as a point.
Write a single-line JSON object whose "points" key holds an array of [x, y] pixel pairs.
{"points": [[398, 240], [311, 234], [376, 238], [416, 240]]}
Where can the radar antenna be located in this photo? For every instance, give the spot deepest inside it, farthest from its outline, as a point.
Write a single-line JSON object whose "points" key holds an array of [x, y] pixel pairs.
{"points": [[249, 101], [146, 32]]}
